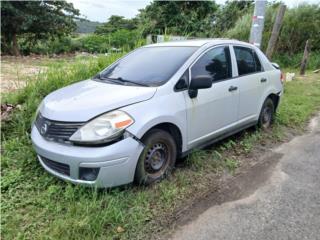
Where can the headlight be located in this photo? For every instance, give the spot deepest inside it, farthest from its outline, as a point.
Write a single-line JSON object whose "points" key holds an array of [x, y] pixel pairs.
{"points": [[104, 128], [34, 118]]}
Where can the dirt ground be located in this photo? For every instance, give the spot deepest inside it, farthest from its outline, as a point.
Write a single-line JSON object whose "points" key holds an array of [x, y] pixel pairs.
{"points": [[16, 70]]}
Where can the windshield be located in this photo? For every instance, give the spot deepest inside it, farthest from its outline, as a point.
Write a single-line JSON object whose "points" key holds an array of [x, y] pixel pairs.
{"points": [[149, 66]]}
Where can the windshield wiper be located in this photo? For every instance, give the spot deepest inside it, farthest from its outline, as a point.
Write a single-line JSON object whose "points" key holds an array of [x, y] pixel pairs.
{"points": [[100, 78], [120, 79]]}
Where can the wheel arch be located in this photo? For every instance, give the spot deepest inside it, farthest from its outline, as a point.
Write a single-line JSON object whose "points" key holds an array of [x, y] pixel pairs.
{"points": [[275, 98], [172, 129], [274, 95]]}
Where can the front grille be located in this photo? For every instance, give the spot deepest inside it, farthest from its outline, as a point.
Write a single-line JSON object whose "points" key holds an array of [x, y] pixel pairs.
{"points": [[56, 130], [56, 166]]}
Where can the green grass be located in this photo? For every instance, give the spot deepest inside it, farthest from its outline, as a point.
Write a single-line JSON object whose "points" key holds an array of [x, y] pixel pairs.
{"points": [[301, 98], [35, 205], [231, 164]]}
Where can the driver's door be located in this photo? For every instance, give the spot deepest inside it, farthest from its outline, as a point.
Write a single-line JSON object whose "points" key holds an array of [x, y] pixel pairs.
{"points": [[213, 110]]}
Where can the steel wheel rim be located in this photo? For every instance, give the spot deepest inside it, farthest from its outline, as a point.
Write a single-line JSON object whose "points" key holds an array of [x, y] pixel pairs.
{"points": [[157, 158], [266, 116]]}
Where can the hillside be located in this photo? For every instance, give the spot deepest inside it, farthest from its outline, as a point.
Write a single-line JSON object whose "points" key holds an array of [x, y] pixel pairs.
{"points": [[86, 26]]}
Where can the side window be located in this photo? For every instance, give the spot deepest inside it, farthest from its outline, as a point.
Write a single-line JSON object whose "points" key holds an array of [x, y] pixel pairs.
{"points": [[258, 63], [182, 84], [215, 63], [247, 61]]}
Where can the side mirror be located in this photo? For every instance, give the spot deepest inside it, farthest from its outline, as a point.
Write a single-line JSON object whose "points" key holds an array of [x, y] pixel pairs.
{"points": [[200, 82]]}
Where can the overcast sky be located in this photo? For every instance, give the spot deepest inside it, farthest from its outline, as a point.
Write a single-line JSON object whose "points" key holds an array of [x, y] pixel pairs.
{"points": [[101, 10]]}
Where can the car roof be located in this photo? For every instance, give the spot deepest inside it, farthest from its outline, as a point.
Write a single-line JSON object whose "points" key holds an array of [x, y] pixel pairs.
{"points": [[198, 42]]}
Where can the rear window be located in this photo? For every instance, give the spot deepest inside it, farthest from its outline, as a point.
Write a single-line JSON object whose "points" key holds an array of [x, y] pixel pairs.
{"points": [[152, 66]]}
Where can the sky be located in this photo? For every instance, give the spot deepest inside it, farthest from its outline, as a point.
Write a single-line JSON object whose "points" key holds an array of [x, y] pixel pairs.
{"points": [[101, 10]]}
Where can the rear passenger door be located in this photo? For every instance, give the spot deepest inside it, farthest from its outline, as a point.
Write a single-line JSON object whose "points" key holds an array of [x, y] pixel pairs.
{"points": [[251, 80]]}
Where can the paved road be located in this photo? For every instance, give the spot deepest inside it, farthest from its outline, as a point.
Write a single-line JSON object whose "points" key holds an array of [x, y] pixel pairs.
{"points": [[286, 206]]}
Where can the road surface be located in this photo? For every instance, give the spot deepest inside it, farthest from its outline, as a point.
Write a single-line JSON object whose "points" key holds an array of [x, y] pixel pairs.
{"points": [[285, 206]]}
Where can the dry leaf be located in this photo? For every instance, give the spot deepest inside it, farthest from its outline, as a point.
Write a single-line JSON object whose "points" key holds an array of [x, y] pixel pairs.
{"points": [[120, 229]]}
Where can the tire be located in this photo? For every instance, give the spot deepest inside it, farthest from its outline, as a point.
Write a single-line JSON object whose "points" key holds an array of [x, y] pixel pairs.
{"points": [[267, 114], [157, 159]]}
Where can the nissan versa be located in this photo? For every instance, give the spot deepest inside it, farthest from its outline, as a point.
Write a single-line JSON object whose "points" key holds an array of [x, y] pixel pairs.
{"points": [[135, 118]]}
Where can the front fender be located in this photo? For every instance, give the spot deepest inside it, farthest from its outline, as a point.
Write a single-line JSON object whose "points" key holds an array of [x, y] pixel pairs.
{"points": [[157, 111]]}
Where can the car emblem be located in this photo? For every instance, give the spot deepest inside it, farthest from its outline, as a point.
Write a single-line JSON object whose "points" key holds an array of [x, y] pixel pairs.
{"points": [[44, 128]]}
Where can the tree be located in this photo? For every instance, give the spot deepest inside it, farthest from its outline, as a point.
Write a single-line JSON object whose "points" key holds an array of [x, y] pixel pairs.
{"points": [[228, 14], [116, 23], [193, 18], [37, 19]]}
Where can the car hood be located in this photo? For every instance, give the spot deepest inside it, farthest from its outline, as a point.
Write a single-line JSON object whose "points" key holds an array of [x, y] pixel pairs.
{"points": [[84, 100]]}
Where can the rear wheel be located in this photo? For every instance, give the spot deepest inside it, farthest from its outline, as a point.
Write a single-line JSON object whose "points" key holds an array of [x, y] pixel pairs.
{"points": [[267, 114], [158, 157]]}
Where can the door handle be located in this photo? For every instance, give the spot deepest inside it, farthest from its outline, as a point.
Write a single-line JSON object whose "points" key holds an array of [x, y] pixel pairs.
{"points": [[263, 80], [232, 88]]}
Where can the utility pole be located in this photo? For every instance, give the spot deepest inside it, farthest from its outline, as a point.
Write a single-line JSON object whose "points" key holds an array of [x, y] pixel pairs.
{"points": [[258, 22], [275, 31]]}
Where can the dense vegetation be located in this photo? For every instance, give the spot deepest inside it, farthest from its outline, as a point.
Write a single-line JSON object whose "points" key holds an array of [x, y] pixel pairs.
{"points": [[186, 18], [299, 25]]}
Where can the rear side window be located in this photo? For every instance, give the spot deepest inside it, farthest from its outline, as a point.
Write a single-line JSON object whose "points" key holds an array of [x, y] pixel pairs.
{"points": [[258, 64], [247, 61], [216, 63]]}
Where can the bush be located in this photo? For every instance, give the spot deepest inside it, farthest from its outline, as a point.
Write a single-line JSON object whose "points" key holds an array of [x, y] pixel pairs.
{"points": [[95, 43], [122, 39], [47, 46], [59, 46], [125, 39]]}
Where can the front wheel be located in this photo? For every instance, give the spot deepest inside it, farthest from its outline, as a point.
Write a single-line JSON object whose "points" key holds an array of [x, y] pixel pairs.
{"points": [[158, 157], [267, 114]]}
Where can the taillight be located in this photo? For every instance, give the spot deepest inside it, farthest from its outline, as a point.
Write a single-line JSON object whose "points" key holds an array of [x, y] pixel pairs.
{"points": [[281, 77]]}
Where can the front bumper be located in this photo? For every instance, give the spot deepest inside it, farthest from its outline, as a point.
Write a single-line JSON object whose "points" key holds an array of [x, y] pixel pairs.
{"points": [[116, 162]]}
